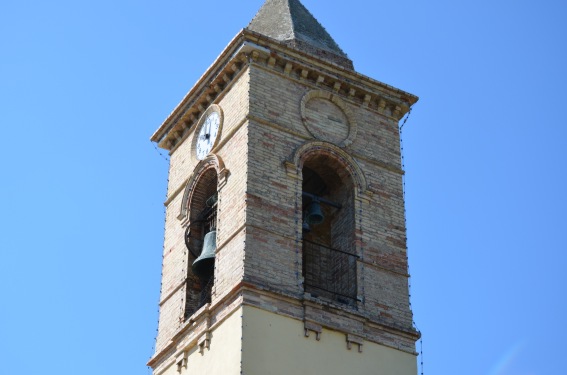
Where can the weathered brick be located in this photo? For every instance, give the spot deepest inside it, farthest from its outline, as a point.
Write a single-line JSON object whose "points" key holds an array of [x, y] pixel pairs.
{"points": [[283, 127]]}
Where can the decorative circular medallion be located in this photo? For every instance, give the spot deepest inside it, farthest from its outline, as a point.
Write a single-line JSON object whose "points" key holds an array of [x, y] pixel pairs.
{"points": [[327, 118]]}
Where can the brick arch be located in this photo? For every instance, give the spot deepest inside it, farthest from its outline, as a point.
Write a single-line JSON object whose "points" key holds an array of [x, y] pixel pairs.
{"points": [[312, 148], [210, 162]]}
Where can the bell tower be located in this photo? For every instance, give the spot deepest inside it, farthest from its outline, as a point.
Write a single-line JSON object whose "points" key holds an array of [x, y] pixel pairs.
{"points": [[285, 238]]}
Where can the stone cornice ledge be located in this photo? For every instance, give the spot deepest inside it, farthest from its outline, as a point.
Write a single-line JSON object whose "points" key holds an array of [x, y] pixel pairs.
{"points": [[369, 328], [201, 322], [207, 318]]}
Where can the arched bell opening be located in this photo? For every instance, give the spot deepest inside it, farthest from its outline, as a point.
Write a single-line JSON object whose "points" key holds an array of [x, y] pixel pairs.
{"points": [[329, 255], [200, 238]]}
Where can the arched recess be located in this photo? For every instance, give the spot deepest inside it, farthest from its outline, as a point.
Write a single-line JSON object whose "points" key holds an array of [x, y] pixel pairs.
{"points": [[324, 148], [211, 161], [331, 183], [199, 218]]}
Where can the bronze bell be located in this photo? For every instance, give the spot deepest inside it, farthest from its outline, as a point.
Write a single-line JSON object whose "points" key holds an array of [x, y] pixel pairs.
{"points": [[314, 214], [212, 200], [204, 265]]}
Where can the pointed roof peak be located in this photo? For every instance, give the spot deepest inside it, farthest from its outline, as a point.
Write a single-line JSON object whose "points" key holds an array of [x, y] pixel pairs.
{"points": [[288, 21]]}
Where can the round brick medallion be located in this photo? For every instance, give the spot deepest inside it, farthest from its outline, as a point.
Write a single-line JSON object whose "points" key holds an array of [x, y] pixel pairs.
{"points": [[325, 118]]}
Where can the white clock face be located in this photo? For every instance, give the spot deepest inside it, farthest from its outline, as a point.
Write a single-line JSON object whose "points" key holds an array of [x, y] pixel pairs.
{"points": [[208, 135]]}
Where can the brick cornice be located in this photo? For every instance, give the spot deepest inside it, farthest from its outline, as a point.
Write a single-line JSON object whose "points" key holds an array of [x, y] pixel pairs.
{"points": [[375, 101], [253, 48], [196, 90], [278, 49]]}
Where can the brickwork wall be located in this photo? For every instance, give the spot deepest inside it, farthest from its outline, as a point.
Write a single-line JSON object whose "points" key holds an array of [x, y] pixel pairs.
{"points": [[276, 99], [263, 127], [378, 139], [384, 241], [273, 195], [272, 202], [231, 212], [174, 264]]}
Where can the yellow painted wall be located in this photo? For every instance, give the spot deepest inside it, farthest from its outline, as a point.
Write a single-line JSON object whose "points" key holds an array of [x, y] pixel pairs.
{"points": [[223, 357], [276, 345]]}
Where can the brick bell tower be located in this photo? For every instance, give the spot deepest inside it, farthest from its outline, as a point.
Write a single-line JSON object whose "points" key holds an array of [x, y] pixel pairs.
{"points": [[285, 238]]}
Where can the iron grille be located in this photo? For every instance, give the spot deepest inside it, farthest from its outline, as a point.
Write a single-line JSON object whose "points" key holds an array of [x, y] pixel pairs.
{"points": [[329, 273], [206, 292], [211, 219]]}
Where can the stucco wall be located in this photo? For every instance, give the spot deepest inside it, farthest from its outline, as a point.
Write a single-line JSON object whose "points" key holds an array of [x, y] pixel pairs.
{"points": [[276, 345], [223, 355]]}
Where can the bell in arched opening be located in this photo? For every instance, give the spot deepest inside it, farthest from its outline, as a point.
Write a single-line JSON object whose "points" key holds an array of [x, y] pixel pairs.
{"points": [[314, 214], [204, 265]]}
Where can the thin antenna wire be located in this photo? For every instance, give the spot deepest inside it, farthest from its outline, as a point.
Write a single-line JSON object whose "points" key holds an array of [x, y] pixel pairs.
{"points": [[159, 152], [405, 215]]}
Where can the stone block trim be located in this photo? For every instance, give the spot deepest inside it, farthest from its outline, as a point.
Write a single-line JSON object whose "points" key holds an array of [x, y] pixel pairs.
{"points": [[313, 327], [353, 340]]}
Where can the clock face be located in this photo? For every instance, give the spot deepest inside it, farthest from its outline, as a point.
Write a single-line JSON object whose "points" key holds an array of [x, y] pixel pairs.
{"points": [[208, 135]]}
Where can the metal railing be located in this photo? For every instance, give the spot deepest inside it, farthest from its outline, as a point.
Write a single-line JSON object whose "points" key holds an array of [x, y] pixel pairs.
{"points": [[330, 273]]}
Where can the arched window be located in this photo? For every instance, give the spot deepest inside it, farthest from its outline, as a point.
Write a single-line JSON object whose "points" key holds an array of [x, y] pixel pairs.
{"points": [[329, 255], [200, 238]]}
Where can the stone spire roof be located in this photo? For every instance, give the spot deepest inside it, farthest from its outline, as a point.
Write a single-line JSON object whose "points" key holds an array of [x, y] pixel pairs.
{"points": [[289, 22]]}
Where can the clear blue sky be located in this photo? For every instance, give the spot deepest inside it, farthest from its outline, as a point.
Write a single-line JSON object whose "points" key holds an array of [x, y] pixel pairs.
{"points": [[83, 85]]}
